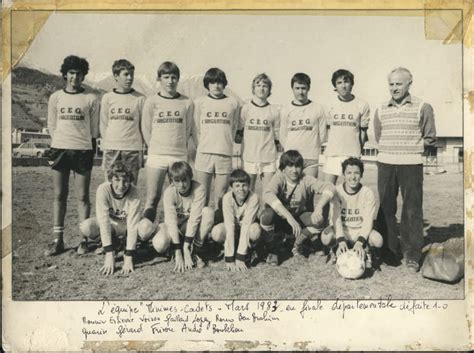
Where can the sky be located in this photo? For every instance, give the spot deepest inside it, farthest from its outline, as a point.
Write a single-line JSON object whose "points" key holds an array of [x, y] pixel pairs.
{"points": [[279, 45]]}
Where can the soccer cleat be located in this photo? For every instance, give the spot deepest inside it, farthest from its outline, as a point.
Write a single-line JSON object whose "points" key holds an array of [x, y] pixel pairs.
{"points": [[200, 263], [297, 250], [56, 247], [82, 248], [99, 251], [272, 259], [412, 266]]}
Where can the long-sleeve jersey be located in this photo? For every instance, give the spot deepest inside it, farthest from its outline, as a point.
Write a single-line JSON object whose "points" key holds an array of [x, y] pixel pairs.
{"points": [[238, 215], [354, 213], [167, 124], [73, 119], [120, 115], [346, 119], [261, 126], [216, 121], [124, 211], [181, 208], [303, 128], [297, 198]]}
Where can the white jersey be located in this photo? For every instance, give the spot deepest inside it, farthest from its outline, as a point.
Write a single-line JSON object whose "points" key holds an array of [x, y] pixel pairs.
{"points": [[346, 119], [303, 128], [355, 212], [120, 115], [261, 125], [73, 119]]}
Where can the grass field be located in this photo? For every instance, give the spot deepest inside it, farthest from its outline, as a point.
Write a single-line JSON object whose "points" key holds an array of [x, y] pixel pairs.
{"points": [[73, 277]]}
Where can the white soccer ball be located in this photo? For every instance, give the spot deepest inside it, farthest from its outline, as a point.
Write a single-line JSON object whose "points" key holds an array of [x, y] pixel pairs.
{"points": [[350, 265], [146, 229]]}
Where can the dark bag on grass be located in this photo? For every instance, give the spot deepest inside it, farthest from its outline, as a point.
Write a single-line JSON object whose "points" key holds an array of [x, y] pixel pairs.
{"points": [[444, 261]]}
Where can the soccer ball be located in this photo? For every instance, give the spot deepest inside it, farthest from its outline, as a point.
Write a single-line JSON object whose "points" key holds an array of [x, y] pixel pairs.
{"points": [[350, 265], [146, 229]]}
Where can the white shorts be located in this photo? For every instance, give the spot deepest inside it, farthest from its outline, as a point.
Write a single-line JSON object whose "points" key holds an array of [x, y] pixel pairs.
{"points": [[213, 163], [163, 161], [259, 167], [333, 164]]}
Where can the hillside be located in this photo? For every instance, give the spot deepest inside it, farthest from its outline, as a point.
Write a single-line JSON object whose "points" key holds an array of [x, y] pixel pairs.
{"points": [[31, 89]]}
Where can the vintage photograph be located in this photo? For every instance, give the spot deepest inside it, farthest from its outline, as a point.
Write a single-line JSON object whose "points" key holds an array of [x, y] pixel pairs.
{"points": [[198, 156]]}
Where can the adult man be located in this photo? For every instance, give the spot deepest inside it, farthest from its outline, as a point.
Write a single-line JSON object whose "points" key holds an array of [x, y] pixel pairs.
{"points": [[404, 129]]}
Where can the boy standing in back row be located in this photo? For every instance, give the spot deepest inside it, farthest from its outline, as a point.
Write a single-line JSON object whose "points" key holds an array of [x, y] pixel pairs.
{"points": [[348, 120], [120, 117], [303, 125]]}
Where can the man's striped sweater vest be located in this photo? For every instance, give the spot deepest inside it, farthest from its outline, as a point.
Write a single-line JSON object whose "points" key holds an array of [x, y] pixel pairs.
{"points": [[401, 141]]}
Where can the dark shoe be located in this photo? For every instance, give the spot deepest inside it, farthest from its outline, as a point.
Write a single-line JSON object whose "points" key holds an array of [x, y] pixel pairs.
{"points": [[412, 266], [368, 259], [55, 248], [390, 258], [82, 248], [272, 259]]}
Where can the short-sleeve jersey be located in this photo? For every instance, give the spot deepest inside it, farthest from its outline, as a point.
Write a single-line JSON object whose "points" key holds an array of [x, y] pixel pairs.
{"points": [[166, 124], [346, 119], [216, 122], [356, 209], [73, 119], [180, 208], [120, 115], [303, 128], [111, 209], [261, 126]]}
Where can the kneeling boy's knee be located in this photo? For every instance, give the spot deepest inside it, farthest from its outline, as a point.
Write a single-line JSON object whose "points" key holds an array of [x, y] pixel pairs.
{"points": [[218, 233], [145, 229], [266, 218], [375, 239], [254, 232], [161, 241], [90, 229], [328, 236]]}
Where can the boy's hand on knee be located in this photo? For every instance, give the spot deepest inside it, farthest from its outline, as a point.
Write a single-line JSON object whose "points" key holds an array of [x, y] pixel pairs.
{"points": [[179, 266], [295, 226], [230, 266], [240, 266], [342, 248], [109, 264], [188, 260], [127, 265]]}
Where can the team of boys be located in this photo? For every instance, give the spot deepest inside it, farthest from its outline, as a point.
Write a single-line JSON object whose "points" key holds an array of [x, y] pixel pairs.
{"points": [[295, 202]]}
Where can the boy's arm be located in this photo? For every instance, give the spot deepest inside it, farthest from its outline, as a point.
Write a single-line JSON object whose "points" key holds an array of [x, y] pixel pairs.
{"points": [[171, 217], [52, 114], [235, 119], [377, 126], [369, 207], [199, 201], [364, 125], [241, 125], [229, 244], [146, 123], [276, 125], [283, 126], [196, 123], [323, 125], [324, 188], [103, 218], [189, 121], [94, 114], [132, 224], [249, 217], [104, 116]]}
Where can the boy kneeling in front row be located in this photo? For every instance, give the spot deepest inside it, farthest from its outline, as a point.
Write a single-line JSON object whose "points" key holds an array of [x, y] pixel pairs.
{"points": [[294, 205], [187, 220], [354, 209], [236, 223], [118, 215]]}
